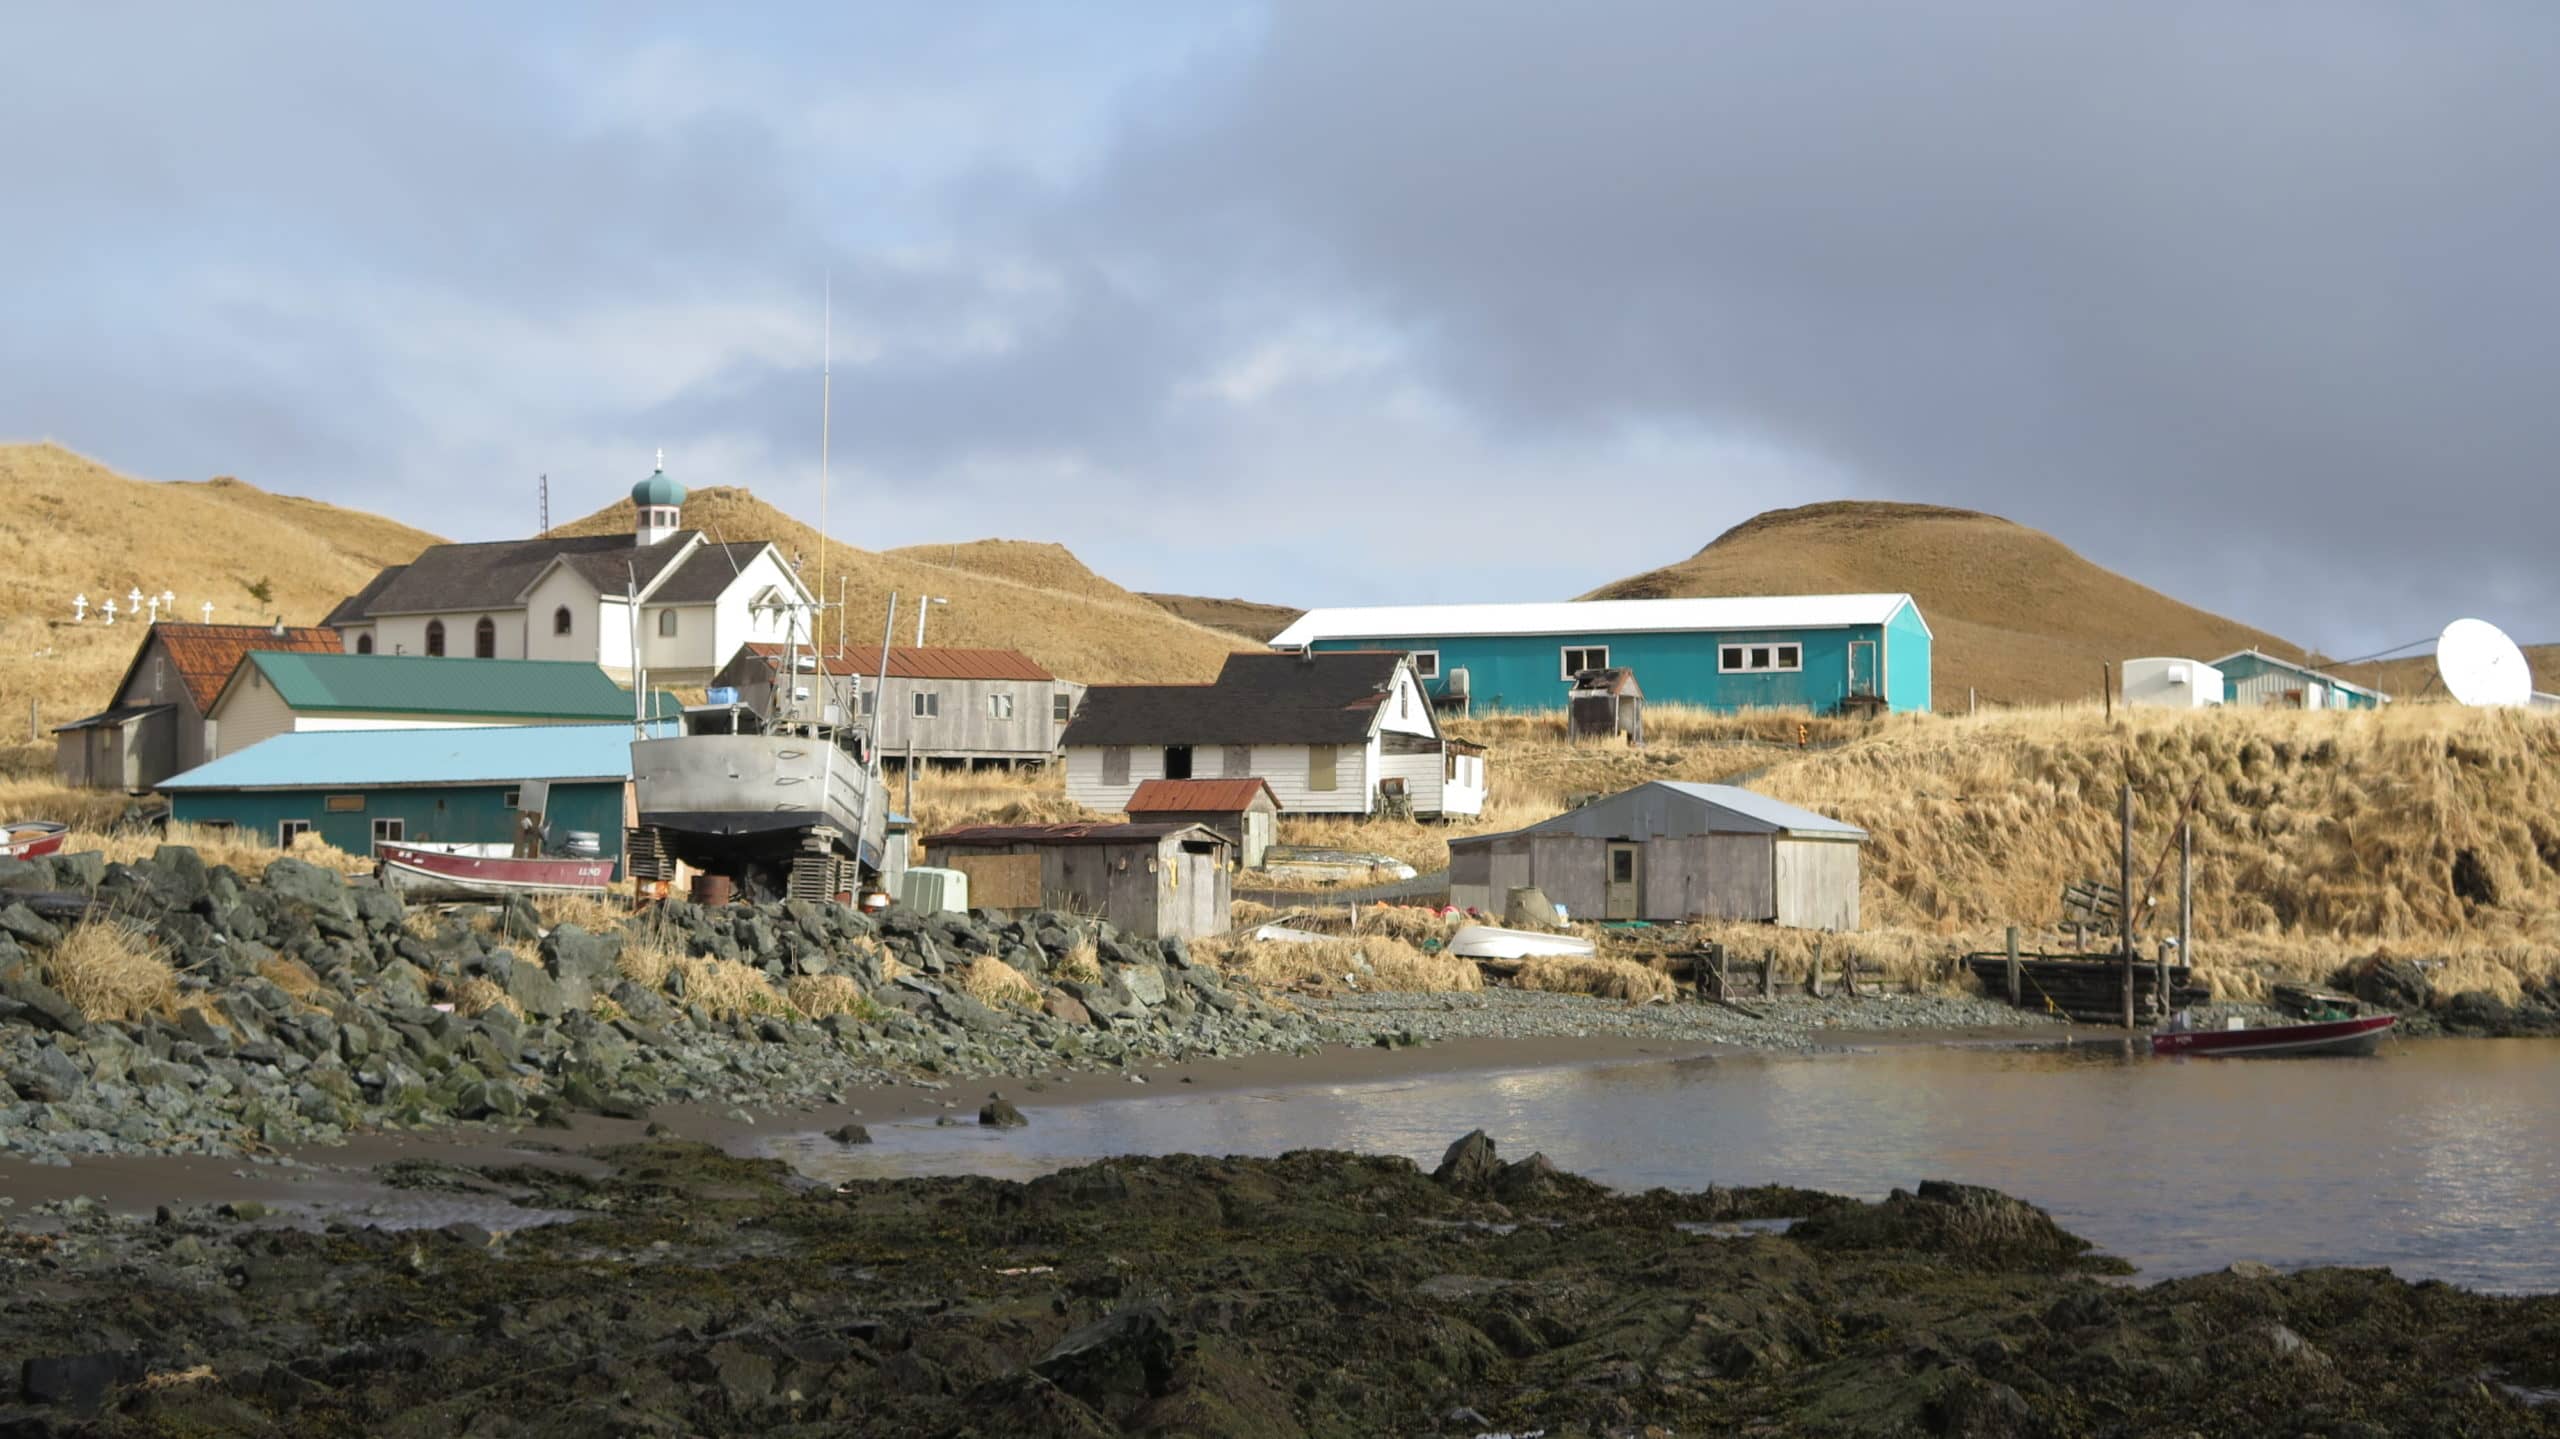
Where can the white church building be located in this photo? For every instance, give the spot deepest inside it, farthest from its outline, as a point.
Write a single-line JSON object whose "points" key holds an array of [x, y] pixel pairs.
{"points": [[571, 597]]}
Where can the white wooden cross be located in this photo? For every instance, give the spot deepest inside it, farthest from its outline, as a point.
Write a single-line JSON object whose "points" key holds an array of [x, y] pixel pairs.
{"points": [[80, 608], [155, 609], [111, 612], [207, 607], [133, 602]]}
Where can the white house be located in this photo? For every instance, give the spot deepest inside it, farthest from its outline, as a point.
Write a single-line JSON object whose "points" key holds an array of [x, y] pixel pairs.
{"points": [[1330, 732], [569, 598]]}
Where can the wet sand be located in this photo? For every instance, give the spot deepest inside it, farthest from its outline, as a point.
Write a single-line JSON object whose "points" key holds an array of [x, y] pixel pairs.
{"points": [[320, 1182]]}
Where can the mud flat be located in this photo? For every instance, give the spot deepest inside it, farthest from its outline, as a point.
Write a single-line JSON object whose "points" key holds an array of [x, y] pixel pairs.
{"points": [[1316, 1293]]}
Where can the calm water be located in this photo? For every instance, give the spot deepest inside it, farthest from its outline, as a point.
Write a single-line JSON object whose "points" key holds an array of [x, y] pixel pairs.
{"points": [[2439, 1159]]}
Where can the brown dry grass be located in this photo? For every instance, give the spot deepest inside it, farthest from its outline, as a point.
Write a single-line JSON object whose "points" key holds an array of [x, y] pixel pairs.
{"points": [[1246, 619], [1596, 975], [728, 987], [109, 972], [989, 980], [1370, 962], [479, 994], [292, 976], [2016, 614], [816, 996], [951, 798], [1083, 962]]}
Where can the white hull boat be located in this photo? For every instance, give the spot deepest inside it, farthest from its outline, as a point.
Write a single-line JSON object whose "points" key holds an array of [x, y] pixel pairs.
{"points": [[1485, 941]]}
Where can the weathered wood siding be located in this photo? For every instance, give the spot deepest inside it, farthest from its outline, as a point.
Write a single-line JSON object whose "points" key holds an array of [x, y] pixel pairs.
{"points": [[1573, 872], [1817, 883], [1160, 889], [1000, 881], [964, 727], [248, 712]]}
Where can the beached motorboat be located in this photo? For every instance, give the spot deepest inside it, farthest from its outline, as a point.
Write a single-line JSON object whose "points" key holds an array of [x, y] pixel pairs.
{"points": [[2335, 1036], [31, 838], [1485, 941], [460, 873]]}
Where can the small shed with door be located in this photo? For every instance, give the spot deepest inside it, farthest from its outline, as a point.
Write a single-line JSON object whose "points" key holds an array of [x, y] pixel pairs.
{"points": [[2165, 682], [1157, 880], [1244, 810], [1607, 703], [1673, 851]]}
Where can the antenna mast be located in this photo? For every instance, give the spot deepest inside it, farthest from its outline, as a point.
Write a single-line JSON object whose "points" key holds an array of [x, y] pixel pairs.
{"points": [[545, 489], [826, 397]]}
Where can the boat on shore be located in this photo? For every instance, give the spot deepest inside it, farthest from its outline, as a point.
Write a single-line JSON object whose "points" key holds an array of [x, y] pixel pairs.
{"points": [[2336, 1036], [1485, 941], [31, 838], [426, 872]]}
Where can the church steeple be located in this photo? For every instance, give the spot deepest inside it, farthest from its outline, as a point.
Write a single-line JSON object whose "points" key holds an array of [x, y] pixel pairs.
{"points": [[657, 505]]}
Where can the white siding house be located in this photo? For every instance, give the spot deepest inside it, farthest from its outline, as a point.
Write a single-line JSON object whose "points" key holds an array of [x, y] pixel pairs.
{"points": [[1327, 732]]}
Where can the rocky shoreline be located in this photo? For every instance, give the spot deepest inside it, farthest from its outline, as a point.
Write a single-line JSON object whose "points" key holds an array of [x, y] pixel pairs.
{"points": [[1315, 1293]]}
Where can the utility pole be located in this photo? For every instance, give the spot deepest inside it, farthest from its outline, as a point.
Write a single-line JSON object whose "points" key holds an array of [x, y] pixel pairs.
{"points": [[2124, 888], [2107, 686], [543, 488], [2186, 893]]}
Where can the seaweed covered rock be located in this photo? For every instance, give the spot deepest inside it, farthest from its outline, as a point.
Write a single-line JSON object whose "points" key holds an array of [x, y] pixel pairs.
{"points": [[1965, 1224]]}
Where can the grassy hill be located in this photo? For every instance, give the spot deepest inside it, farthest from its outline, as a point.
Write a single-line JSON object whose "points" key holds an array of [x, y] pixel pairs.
{"points": [[1251, 620], [1012, 594], [69, 525], [2018, 615]]}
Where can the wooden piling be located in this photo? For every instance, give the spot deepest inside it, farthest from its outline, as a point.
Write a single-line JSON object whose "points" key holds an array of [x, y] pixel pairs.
{"points": [[1724, 976], [2013, 966], [2124, 888], [1813, 971], [1768, 974]]}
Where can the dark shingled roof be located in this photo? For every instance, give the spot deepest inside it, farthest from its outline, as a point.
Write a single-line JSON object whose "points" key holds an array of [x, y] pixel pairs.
{"points": [[1329, 697], [708, 572], [356, 606], [490, 575], [1072, 832]]}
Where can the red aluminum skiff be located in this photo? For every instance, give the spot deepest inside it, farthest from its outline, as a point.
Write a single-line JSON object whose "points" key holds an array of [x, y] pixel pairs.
{"points": [[415, 870], [2336, 1036], [31, 838]]}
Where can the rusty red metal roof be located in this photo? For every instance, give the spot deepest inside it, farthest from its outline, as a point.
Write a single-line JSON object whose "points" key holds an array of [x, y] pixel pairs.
{"points": [[933, 662], [205, 655], [1076, 832], [1198, 796]]}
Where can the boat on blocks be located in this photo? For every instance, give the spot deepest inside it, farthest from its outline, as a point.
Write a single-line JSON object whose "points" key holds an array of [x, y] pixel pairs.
{"points": [[2359, 1035], [31, 838]]}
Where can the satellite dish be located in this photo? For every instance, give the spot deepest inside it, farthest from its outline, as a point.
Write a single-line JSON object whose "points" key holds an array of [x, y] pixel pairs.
{"points": [[2482, 667]]}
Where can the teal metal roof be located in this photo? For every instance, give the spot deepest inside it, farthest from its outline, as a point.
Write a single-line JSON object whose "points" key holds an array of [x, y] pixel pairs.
{"points": [[427, 685], [657, 490], [380, 758]]}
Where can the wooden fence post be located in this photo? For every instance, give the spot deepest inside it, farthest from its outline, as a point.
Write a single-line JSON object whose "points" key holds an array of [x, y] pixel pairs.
{"points": [[1813, 971], [1724, 976], [1768, 974], [2013, 966]]}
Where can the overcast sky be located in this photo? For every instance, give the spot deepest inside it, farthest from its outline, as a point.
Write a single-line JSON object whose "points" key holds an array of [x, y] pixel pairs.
{"points": [[1337, 303]]}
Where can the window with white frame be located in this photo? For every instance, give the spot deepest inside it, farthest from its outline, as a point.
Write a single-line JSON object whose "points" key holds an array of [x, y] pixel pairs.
{"points": [[1759, 658], [1062, 707], [1578, 658], [1426, 663], [289, 830], [999, 706], [928, 704], [390, 831], [666, 624]]}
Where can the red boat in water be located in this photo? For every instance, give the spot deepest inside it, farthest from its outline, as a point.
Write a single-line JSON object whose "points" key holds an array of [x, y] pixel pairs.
{"points": [[2334, 1036], [31, 838], [413, 869]]}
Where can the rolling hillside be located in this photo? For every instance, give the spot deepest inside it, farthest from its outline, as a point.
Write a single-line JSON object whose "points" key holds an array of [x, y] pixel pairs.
{"points": [[1012, 594], [2018, 615], [1246, 618], [70, 525]]}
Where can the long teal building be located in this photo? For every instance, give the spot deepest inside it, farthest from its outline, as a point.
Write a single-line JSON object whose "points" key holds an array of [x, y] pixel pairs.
{"points": [[1815, 652], [451, 785]]}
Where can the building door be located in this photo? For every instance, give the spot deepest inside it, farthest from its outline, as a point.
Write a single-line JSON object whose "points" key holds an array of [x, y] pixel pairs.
{"points": [[1863, 679], [1625, 874]]}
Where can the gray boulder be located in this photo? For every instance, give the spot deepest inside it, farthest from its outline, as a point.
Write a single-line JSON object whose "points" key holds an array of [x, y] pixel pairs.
{"points": [[43, 1007], [1469, 1164], [1127, 1356], [998, 1113], [306, 884], [20, 923]]}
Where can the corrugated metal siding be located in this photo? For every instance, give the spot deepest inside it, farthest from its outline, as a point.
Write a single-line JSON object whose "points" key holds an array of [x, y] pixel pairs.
{"points": [[1817, 884], [1525, 672], [1572, 870], [248, 713], [1372, 625], [449, 815]]}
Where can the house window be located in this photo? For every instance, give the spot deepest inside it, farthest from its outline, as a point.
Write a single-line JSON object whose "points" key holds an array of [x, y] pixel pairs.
{"points": [[666, 624], [928, 704], [435, 638], [344, 804], [159, 678], [364, 644], [289, 830], [1000, 706], [389, 831], [1578, 658], [561, 623], [1404, 703], [1061, 707], [484, 639], [1177, 761], [1115, 764], [1759, 659], [1321, 768], [511, 799], [1426, 663], [1237, 762]]}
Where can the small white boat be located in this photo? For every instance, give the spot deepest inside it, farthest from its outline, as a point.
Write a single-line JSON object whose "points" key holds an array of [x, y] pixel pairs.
{"points": [[1485, 941], [1283, 934], [426, 872]]}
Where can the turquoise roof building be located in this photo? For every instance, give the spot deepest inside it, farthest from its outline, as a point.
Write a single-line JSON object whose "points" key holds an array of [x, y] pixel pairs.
{"points": [[1823, 653]]}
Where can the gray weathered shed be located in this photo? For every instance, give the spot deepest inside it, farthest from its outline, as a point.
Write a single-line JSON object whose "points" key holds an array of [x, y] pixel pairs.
{"points": [[1673, 851], [1160, 881], [1607, 703]]}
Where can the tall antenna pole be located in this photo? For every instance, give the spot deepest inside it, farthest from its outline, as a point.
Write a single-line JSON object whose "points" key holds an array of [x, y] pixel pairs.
{"points": [[544, 485], [826, 437]]}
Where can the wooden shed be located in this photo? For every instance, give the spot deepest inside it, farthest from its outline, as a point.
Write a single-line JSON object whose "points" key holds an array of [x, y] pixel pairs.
{"points": [[1157, 880], [1673, 851], [1607, 703], [1244, 810]]}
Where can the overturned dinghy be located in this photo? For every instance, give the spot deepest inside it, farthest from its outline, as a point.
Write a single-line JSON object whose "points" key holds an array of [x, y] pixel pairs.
{"points": [[1485, 941]]}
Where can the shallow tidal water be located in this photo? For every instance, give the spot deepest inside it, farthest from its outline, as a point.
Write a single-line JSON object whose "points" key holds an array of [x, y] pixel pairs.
{"points": [[2438, 1158]]}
